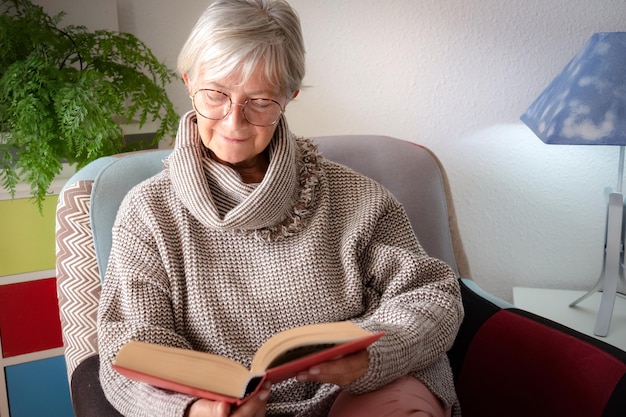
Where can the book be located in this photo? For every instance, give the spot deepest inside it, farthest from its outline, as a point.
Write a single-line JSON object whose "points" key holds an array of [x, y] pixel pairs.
{"points": [[217, 378]]}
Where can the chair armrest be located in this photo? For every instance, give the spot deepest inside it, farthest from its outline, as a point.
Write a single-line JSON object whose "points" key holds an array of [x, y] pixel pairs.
{"points": [[88, 398], [478, 290]]}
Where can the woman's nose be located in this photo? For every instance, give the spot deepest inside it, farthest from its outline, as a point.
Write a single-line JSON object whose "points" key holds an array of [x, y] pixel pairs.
{"points": [[235, 116]]}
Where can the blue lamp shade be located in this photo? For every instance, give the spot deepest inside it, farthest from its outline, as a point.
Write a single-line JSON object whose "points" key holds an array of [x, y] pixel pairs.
{"points": [[586, 103]]}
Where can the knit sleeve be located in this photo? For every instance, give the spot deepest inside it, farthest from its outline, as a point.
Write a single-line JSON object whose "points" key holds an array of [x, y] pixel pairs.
{"points": [[135, 304], [413, 297]]}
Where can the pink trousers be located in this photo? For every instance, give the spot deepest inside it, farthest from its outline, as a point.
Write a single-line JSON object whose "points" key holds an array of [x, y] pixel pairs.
{"points": [[405, 396]]}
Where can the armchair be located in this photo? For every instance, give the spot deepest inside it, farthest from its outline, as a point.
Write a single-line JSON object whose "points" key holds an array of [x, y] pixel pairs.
{"points": [[506, 361]]}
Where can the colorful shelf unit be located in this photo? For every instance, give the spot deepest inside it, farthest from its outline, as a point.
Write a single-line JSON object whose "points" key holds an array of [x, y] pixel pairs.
{"points": [[33, 376]]}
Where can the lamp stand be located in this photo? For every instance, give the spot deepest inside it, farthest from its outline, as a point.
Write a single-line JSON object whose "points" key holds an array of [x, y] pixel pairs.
{"points": [[612, 274]]}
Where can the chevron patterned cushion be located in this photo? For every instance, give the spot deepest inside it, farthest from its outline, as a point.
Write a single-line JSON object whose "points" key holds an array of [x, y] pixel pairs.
{"points": [[78, 281]]}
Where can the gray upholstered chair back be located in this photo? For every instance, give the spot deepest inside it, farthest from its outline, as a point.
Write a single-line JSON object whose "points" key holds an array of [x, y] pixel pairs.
{"points": [[416, 177], [89, 202]]}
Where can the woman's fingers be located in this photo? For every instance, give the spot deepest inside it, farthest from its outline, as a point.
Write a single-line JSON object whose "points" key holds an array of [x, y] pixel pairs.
{"points": [[341, 371]]}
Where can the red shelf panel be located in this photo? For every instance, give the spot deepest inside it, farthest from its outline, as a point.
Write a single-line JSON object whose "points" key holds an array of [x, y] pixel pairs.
{"points": [[29, 317]]}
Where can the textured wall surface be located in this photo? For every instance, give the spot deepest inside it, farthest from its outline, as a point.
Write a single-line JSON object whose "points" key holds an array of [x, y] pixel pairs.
{"points": [[455, 76]]}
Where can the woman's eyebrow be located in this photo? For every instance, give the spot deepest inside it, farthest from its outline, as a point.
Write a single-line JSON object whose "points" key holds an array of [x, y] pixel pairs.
{"points": [[265, 92]]}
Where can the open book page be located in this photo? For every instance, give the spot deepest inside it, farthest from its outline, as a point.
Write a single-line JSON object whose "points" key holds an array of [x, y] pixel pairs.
{"points": [[182, 366], [300, 341], [292, 368]]}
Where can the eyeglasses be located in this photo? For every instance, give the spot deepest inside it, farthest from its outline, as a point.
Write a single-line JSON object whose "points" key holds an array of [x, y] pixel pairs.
{"points": [[216, 105]]}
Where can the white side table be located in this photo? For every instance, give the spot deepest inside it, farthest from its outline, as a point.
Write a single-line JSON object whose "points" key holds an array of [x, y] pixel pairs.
{"points": [[554, 304]]}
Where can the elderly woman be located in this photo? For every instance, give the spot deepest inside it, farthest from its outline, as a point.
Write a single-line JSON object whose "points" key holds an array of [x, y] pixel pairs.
{"points": [[249, 231]]}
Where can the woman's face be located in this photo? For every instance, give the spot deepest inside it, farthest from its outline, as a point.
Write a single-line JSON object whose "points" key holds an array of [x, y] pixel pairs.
{"points": [[233, 140]]}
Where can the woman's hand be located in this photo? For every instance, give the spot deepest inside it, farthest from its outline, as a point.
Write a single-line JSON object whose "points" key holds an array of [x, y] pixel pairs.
{"points": [[341, 371], [254, 407]]}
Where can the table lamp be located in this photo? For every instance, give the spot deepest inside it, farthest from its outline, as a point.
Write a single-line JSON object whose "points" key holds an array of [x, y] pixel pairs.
{"points": [[586, 105]]}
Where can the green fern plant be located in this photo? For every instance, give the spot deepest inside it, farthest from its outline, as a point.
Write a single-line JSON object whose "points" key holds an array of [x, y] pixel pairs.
{"points": [[64, 91]]}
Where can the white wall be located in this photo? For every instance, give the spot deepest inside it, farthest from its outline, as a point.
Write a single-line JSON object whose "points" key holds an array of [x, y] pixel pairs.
{"points": [[100, 14], [455, 76]]}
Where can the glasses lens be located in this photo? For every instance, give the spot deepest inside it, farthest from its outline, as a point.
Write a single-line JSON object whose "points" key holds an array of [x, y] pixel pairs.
{"points": [[211, 104], [262, 112]]}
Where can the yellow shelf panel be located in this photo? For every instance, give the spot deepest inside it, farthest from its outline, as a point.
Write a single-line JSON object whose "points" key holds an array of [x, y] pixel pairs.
{"points": [[26, 236]]}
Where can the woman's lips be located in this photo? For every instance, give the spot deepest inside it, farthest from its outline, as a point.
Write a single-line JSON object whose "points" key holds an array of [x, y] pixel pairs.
{"points": [[231, 139]]}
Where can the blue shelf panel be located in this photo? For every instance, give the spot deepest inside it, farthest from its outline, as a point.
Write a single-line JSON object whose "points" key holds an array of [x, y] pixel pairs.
{"points": [[39, 389]]}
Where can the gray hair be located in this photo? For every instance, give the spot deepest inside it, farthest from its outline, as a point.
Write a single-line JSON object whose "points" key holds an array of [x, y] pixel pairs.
{"points": [[235, 36]]}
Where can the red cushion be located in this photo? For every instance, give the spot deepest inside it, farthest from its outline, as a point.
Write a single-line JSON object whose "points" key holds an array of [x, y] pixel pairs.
{"points": [[519, 366]]}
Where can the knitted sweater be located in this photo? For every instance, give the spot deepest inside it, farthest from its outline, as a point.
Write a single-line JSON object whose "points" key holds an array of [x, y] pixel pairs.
{"points": [[202, 261]]}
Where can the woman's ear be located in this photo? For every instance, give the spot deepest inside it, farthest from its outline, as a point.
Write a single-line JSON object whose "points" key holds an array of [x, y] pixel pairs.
{"points": [[295, 94], [187, 82]]}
